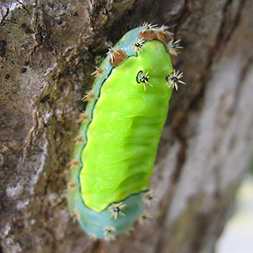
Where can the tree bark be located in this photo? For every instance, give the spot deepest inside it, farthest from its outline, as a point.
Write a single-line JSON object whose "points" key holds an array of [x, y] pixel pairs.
{"points": [[48, 49]]}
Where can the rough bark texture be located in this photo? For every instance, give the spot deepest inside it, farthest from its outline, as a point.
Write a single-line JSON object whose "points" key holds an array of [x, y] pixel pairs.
{"points": [[48, 50]]}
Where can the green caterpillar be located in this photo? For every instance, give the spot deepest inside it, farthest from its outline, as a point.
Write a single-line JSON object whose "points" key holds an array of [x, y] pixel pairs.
{"points": [[120, 131]]}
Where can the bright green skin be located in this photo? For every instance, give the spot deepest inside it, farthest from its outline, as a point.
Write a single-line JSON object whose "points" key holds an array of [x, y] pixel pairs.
{"points": [[127, 121]]}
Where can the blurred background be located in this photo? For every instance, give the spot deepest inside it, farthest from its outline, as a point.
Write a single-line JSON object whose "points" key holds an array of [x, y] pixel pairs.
{"points": [[237, 236]]}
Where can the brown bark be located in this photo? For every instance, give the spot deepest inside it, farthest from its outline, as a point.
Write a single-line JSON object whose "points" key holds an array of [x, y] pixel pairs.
{"points": [[48, 50]]}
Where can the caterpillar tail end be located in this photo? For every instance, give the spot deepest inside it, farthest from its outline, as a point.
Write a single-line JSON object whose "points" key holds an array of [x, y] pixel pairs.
{"points": [[116, 219]]}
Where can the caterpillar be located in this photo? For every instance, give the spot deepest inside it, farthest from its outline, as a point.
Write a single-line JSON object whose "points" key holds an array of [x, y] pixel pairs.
{"points": [[120, 130]]}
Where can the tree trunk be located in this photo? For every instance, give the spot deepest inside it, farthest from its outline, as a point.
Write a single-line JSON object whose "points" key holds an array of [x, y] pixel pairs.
{"points": [[48, 50]]}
